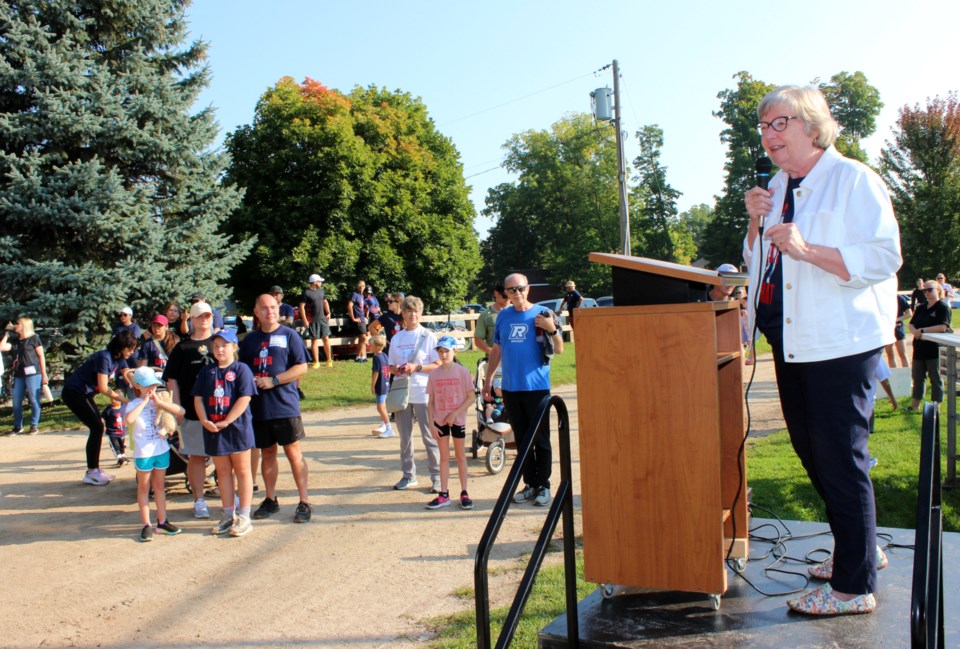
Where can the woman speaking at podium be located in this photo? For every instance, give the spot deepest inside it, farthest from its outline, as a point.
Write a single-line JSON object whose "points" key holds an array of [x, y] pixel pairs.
{"points": [[823, 248]]}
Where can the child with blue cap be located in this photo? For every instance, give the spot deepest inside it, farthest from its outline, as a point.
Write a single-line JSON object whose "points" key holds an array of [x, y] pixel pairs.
{"points": [[151, 452]]}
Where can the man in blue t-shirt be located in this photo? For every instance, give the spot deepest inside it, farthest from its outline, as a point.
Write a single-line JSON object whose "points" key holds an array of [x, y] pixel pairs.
{"points": [[277, 356], [519, 338]]}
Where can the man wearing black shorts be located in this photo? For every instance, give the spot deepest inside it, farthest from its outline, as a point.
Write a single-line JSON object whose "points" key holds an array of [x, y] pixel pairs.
{"points": [[358, 312], [315, 311], [277, 356]]}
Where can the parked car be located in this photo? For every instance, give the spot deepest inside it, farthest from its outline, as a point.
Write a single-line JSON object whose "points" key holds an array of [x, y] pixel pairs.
{"points": [[606, 300], [476, 308], [557, 303]]}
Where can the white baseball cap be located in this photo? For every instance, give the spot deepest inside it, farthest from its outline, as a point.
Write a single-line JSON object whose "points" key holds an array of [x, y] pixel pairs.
{"points": [[314, 278]]}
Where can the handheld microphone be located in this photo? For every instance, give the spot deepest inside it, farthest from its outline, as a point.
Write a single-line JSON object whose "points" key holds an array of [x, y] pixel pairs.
{"points": [[763, 168]]}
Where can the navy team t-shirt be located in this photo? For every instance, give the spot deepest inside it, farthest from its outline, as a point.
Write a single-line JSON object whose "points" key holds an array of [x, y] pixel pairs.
{"points": [[219, 388], [84, 380], [270, 354]]}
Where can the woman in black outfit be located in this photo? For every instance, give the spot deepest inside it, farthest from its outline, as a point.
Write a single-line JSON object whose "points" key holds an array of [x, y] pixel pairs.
{"points": [[931, 317]]}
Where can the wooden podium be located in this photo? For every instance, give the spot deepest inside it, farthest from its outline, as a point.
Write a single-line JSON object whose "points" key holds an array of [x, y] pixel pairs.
{"points": [[661, 414]]}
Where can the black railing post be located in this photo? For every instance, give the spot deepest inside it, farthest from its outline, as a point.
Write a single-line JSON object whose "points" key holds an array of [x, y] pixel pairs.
{"points": [[562, 506], [926, 603]]}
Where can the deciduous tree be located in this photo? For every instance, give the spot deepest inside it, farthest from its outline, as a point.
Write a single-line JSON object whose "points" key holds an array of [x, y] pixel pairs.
{"points": [[921, 166], [358, 186], [563, 205]]}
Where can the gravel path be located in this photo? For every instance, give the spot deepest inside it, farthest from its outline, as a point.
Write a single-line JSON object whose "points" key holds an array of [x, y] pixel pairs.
{"points": [[370, 568]]}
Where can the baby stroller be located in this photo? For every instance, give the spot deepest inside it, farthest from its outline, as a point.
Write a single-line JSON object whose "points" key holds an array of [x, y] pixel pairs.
{"points": [[495, 433]]}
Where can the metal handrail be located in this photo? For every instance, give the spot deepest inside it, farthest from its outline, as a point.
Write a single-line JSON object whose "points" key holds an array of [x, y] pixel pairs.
{"points": [[562, 506], [926, 602]]}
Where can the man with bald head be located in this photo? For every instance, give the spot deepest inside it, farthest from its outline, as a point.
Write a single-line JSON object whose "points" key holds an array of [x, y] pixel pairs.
{"points": [[521, 335], [277, 356]]}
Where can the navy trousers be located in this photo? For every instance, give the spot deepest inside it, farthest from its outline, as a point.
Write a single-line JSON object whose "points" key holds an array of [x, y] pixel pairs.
{"points": [[827, 407], [521, 408]]}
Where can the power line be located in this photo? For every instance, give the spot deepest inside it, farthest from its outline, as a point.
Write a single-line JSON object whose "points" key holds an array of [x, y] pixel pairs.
{"points": [[480, 173], [513, 101]]}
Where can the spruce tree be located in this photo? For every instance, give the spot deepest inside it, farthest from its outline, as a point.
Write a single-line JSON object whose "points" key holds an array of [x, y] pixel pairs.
{"points": [[109, 189]]}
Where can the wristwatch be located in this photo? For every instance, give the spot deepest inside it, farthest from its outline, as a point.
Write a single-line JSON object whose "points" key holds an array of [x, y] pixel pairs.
{"points": [[276, 381]]}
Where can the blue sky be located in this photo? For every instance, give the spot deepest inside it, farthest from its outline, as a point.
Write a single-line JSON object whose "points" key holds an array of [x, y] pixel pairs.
{"points": [[489, 70]]}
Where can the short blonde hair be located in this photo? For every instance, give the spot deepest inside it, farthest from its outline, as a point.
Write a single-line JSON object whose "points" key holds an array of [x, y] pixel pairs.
{"points": [[377, 341], [27, 325], [807, 103]]}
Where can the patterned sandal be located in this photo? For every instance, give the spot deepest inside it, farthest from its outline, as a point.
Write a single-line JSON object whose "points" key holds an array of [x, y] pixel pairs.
{"points": [[821, 601], [825, 570]]}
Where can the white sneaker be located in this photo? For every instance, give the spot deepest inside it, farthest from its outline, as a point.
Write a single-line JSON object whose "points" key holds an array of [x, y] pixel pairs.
{"points": [[241, 525], [525, 495], [385, 434], [97, 478], [200, 509], [380, 429], [543, 497]]}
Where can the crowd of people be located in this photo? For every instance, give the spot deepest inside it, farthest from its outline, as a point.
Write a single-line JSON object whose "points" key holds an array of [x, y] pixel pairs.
{"points": [[189, 389]]}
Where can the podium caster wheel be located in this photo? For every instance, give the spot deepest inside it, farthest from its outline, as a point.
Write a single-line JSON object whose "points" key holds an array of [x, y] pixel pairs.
{"points": [[607, 591], [740, 564], [715, 602]]}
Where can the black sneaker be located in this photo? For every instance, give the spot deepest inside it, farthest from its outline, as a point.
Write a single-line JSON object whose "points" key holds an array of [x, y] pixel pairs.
{"points": [[168, 528], [146, 534], [304, 512], [465, 502], [266, 509]]}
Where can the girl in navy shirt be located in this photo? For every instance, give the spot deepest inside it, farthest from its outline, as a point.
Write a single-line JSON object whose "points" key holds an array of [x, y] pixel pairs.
{"points": [[222, 399]]}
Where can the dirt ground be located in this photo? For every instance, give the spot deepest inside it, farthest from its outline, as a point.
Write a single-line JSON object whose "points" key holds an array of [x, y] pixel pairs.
{"points": [[369, 569]]}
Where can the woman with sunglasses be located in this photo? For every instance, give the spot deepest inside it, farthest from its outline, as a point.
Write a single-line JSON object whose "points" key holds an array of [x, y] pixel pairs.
{"points": [[932, 317]]}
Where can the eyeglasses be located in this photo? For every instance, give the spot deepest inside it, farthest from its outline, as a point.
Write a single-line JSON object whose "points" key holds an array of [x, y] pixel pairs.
{"points": [[515, 289], [779, 124], [928, 289]]}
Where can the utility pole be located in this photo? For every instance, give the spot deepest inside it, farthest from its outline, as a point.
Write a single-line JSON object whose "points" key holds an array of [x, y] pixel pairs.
{"points": [[621, 165], [601, 111]]}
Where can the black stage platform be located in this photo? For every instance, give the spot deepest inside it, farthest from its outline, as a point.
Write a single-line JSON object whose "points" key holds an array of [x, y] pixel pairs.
{"points": [[748, 619]]}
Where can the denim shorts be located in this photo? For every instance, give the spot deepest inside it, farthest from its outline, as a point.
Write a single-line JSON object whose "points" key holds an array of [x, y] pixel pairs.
{"points": [[161, 461], [381, 399]]}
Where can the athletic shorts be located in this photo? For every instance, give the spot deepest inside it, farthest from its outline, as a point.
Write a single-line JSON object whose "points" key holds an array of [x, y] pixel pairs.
{"points": [[147, 464], [191, 438], [357, 328], [381, 399], [454, 430], [285, 431], [319, 329]]}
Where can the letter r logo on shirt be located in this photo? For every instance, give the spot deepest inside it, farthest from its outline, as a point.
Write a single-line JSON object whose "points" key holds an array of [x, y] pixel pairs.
{"points": [[518, 332]]}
